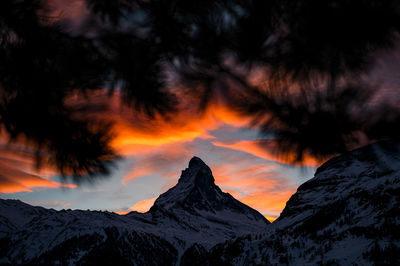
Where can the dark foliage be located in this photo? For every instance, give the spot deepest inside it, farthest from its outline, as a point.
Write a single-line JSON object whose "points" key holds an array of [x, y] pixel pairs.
{"points": [[311, 52]]}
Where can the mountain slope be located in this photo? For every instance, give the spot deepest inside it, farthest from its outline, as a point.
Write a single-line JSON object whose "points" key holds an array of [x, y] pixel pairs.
{"points": [[202, 208], [348, 214], [194, 211]]}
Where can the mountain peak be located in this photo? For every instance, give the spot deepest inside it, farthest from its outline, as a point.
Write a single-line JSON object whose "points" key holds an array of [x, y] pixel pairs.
{"points": [[197, 193], [196, 178], [196, 162], [197, 173]]}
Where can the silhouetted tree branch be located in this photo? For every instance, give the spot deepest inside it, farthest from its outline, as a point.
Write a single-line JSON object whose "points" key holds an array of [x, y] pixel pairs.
{"points": [[310, 54]]}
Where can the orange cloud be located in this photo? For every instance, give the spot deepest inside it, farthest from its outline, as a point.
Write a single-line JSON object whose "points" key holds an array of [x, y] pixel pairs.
{"points": [[246, 184], [9, 186], [233, 193], [17, 172], [12, 181], [246, 179], [162, 161], [270, 218], [160, 144], [266, 149], [141, 206], [261, 187], [144, 205], [136, 174], [137, 133], [269, 203]]}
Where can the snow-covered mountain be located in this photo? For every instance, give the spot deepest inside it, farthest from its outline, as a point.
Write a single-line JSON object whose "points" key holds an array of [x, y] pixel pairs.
{"points": [[195, 211], [347, 214], [197, 205]]}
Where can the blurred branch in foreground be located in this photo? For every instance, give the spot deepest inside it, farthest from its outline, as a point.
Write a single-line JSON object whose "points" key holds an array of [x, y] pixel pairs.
{"points": [[160, 53]]}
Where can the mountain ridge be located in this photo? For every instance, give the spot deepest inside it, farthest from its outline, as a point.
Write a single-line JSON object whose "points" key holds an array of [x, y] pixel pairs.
{"points": [[347, 214], [195, 211]]}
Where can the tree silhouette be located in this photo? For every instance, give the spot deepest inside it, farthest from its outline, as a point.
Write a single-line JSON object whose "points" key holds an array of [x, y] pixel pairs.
{"points": [[311, 55]]}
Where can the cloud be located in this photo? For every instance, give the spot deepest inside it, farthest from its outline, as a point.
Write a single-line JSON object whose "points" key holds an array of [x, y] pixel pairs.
{"points": [[248, 182], [262, 187], [233, 193], [144, 205], [141, 206], [163, 161], [270, 218], [258, 182], [17, 172], [256, 186], [13, 180], [162, 147], [266, 149], [136, 133], [269, 203]]}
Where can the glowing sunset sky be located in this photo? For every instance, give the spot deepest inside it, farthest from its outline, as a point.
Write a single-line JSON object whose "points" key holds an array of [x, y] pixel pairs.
{"points": [[155, 151]]}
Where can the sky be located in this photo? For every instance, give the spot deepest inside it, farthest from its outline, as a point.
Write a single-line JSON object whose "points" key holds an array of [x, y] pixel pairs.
{"points": [[155, 151]]}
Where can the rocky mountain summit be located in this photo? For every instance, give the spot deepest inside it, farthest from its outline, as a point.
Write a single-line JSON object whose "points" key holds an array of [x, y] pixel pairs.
{"points": [[198, 202]]}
